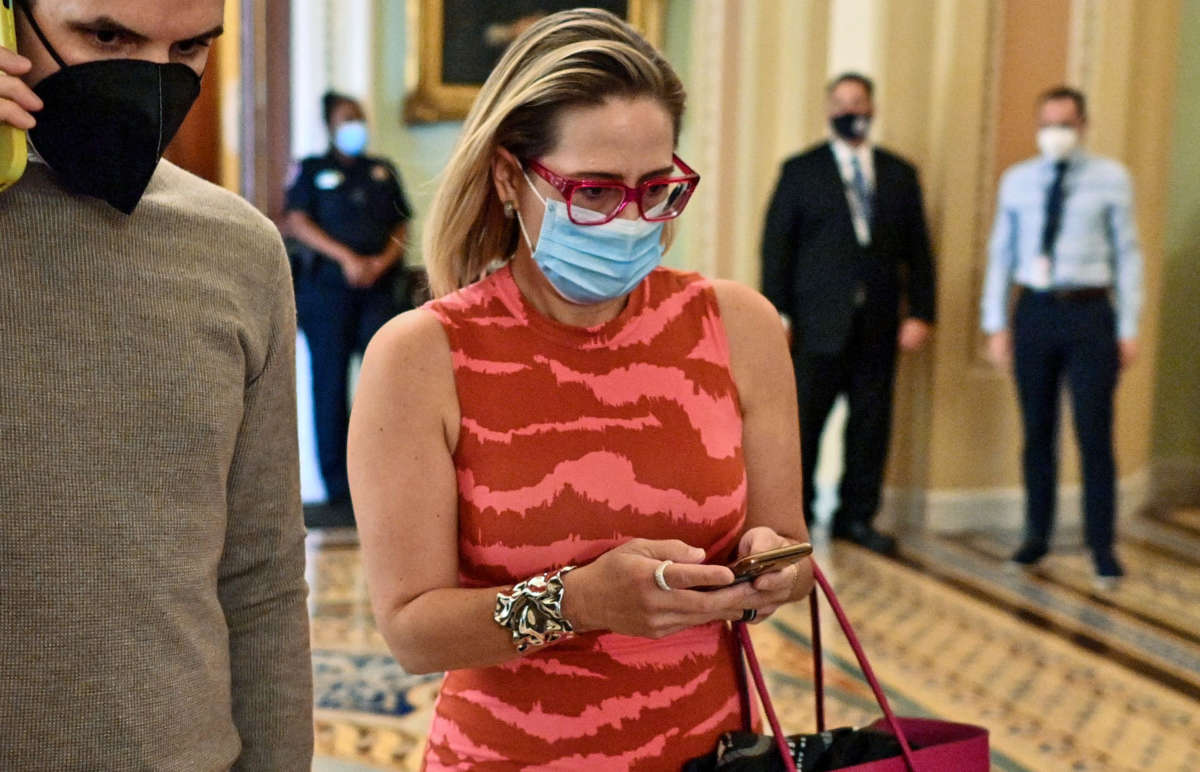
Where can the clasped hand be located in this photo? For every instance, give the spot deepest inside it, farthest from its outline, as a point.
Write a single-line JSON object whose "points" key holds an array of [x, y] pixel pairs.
{"points": [[363, 271], [617, 591]]}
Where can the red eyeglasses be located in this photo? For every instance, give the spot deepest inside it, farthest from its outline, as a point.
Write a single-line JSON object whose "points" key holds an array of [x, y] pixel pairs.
{"points": [[595, 202]]}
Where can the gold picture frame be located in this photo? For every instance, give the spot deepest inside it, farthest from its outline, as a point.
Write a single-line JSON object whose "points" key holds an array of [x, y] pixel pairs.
{"points": [[446, 95]]}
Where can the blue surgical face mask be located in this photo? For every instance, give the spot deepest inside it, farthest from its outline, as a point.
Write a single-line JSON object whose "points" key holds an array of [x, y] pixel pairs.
{"points": [[351, 138], [593, 263]]}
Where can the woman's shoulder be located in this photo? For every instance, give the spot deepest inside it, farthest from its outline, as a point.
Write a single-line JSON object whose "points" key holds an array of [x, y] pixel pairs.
{"points": [[754, 330], [412, 351], [416, 335], [407, 379], [742, 304]]}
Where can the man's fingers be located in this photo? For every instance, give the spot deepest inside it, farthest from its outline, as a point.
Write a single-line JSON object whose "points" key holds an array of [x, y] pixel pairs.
{"points": [[17, 100], [12, 115], [14, 89], [13, 63]]}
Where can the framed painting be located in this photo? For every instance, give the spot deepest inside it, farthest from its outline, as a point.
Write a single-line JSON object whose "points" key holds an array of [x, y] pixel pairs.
{"points": [[459, 42]]}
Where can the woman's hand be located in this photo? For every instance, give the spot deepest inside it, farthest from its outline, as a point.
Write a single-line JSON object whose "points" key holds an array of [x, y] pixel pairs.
{"points": [[774, 588], [17, 100], [358, 270], [618, 592]]}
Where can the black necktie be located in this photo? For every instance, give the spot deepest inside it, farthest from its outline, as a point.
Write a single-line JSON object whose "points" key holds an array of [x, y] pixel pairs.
{"points": [[1054, 205]]}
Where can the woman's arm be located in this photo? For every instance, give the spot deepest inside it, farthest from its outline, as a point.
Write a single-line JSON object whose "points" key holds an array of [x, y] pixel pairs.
{"points": [[404, 422], [403, 430], [762, 370]]}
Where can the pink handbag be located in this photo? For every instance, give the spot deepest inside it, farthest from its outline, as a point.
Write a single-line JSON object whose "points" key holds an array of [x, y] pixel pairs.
{"points": [[926, 745]]}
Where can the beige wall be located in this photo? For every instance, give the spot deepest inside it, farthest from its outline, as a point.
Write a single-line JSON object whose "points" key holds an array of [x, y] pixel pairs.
{"points": [[1141, 96], [1176, 445], [754, 98], [956, 86], [956, 80], [230, 69]]}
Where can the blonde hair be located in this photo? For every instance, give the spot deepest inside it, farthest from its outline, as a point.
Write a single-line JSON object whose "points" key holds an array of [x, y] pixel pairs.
{"points": [[568, 59]]}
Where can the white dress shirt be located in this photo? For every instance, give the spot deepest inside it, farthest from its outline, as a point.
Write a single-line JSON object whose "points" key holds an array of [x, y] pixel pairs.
{"points": [[843, 153], [1097, 244]]}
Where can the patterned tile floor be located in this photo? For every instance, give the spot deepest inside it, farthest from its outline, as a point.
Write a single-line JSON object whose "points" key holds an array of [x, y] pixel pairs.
{"points": [[1064, 678]]}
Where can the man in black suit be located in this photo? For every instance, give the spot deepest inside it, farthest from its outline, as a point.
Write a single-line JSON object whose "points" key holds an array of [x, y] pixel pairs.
{"points": [[845, 236]]}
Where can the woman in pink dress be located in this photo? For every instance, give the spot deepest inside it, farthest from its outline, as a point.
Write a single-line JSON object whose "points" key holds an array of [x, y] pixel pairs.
{"points": [[548, 459]]}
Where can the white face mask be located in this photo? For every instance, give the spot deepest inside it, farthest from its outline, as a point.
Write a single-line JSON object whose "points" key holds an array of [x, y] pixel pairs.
{"points": [[1057, 142]]}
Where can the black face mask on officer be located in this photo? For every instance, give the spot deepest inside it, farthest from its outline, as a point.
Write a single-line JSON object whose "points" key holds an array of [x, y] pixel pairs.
{"points": [[106, 123]]}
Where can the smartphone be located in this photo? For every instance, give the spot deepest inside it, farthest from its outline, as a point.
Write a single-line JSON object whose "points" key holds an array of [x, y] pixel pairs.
{"points": [[13, 151], [751, 566], [748, 568]]}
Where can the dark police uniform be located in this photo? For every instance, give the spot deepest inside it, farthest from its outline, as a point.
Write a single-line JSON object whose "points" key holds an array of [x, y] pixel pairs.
{"points": [[359, 204]]}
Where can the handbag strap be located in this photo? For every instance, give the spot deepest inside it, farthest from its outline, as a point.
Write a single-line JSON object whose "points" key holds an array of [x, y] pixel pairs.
{"points": [[739, 668], [818, 660], [860, 655], [747, 648]]}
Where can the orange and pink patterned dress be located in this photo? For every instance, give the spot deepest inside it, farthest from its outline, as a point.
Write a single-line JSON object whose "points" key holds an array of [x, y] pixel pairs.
{"points": [[573, 441]]}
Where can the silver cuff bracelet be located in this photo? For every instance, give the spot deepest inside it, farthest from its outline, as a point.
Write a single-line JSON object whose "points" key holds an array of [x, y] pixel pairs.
{"points": [[532, 611]]}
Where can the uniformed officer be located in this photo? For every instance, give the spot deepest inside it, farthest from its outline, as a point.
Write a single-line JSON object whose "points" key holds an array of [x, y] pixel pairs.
{"points": [[349, 213]]}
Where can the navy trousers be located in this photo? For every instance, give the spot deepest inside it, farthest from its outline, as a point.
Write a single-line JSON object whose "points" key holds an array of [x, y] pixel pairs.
{"points": [[338, 322], [1057, 336]]}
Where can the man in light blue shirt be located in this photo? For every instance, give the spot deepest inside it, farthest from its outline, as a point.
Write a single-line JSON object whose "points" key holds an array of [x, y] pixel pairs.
{"points": [[1065, 235]]}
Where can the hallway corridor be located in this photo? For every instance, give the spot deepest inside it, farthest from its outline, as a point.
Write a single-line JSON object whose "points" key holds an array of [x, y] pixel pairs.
{"points": [[1064, 678]]}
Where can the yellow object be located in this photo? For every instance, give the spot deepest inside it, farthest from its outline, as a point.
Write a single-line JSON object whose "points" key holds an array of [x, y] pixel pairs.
{"points": [[13, 152]]}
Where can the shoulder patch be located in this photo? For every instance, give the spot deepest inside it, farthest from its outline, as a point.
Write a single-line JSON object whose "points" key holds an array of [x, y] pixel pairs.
{"points": [[380, 173]]}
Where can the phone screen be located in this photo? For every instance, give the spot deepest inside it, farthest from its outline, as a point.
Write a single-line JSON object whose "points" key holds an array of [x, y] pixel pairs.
{"points": [[13, 151]]}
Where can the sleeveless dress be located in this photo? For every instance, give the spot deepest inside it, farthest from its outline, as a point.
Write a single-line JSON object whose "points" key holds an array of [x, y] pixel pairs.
{"points": [[573, 441]]}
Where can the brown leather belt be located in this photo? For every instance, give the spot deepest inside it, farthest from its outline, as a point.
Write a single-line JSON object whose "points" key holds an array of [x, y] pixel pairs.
{"points": [[1073, 295]]}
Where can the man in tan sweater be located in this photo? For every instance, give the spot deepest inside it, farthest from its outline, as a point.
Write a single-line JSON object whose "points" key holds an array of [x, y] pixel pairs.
{"points": [[152, 594]]}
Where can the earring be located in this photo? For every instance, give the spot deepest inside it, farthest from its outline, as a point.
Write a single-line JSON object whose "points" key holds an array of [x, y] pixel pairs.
{"points": [[510, 209]]}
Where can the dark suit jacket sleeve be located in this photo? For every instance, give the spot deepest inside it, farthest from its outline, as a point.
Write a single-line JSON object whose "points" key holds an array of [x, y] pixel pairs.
{"points": [[779, 241], [921, 287]]}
